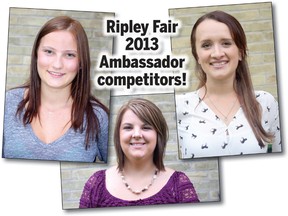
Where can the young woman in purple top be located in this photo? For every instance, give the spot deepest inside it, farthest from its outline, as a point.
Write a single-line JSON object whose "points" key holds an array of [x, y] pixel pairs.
{"points": [[140, 177]]}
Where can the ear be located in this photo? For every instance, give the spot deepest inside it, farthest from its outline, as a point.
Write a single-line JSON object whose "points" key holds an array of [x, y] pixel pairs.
{"points": [[240, 56]]}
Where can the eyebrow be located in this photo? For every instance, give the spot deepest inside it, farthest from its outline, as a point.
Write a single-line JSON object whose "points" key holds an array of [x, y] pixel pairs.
{"points": [[222, 39], [49, 47], [126, 123]]}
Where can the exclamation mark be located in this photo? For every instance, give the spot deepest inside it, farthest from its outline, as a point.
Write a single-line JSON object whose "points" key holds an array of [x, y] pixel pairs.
{"points": [[184, 79]]}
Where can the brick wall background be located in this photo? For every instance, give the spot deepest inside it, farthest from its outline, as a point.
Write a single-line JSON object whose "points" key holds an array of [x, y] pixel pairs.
{"points": [[24, 24], [204, 173], [256, 19], [23, 27]]}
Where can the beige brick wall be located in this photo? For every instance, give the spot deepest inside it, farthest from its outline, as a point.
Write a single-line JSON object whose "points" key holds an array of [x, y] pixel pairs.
{"points": [[23, 27], [24, 24], [256, 19], [203, 173]]}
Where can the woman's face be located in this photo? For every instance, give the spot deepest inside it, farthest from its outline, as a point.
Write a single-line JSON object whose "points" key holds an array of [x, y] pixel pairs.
{"points": [[58, 59], [217, 52], [137, 139]]}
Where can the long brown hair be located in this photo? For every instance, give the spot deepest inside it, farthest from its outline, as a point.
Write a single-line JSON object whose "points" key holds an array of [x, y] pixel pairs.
{"points": [[83, 100], [242, 84], [148, 113]]}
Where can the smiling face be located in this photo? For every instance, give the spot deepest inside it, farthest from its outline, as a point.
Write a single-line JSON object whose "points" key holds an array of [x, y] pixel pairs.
{"points": [[58, 60], [216, 50], [137, 139]]}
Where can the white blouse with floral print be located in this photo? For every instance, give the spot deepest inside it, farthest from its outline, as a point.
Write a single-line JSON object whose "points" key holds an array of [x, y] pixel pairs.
{"points": [[201, 133]]}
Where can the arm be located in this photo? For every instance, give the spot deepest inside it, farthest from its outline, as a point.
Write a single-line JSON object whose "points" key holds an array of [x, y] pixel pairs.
{"points": [[103, 134], [186, 190], [272, 116], [91, 190], [277, 146]]}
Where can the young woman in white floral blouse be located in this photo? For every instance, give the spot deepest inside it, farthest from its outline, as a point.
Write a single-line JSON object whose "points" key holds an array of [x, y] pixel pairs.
{"points": [[224, 116]]}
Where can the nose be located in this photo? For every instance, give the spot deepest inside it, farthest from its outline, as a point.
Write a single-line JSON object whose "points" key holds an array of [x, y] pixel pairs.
{"points": [[217, 51], [137, 134], [57, 63]]}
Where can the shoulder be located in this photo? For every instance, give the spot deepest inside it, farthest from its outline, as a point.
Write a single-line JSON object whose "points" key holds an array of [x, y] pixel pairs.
{"points": [[181, 176], [175, 175], [99, 111], [260, 95], [15, 94], [265, 98], [184, 95], [180, 179], [98, 174], [12, 99], [92, 189], [183, 182], [95, 179], [186, 99], [185, 187]]}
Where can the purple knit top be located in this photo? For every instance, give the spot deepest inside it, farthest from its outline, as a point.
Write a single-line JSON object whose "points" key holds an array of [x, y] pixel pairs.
{"points": [[178, 189]]}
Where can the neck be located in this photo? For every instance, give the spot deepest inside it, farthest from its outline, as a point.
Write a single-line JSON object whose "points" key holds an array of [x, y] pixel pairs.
{"points": [[139, 169], [55, 99], [219, 88]]}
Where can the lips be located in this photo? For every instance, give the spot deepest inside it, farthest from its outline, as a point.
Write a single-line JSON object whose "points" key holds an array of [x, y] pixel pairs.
{"points": [[137, 144], [55, 74], [218, 64]]}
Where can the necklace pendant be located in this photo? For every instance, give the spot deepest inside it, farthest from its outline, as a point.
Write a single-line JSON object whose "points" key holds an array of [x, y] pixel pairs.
{"points": [[227, 132], [136, 192], [228, 114]]}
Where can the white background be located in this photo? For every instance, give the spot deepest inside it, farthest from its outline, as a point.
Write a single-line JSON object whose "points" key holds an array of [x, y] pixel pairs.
{"points": [[252, 185]]}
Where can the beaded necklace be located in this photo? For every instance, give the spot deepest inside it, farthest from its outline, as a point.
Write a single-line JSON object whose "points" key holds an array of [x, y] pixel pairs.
{"points": [[137, 192]]}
